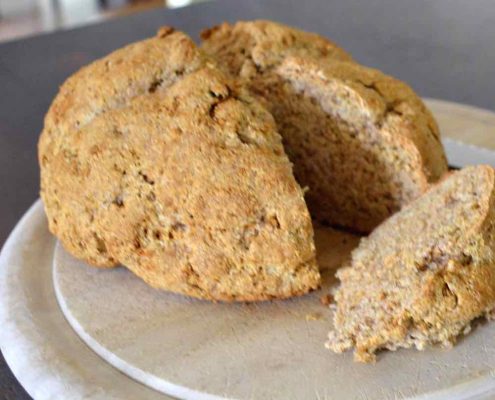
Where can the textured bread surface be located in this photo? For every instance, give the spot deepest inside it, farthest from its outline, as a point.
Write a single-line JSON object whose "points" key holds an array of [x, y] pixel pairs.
{"points": [[152, 158], [423, 275], [363, 142], [249, 48]]}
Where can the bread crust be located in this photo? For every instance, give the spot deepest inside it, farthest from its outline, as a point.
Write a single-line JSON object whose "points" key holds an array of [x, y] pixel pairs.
{"points": [[153, 158], [250, 47]]}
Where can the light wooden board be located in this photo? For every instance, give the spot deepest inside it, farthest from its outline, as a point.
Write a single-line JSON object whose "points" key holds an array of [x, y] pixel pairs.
{"points": [[199, 350], [470, 125]]}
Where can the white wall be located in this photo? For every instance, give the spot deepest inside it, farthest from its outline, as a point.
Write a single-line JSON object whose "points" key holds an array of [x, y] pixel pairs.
{"points": [[16, 7]]}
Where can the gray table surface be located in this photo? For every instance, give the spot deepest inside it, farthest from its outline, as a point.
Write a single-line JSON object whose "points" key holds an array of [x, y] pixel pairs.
{"points": [[443, 48]]}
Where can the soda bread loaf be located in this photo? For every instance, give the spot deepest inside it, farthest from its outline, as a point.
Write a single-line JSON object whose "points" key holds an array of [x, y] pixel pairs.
{"points": [[363, 142], [423, 275], [152, 158]]}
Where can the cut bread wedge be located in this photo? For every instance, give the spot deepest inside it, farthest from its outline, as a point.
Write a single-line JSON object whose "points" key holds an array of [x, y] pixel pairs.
{"points": [[423, 275], [153, 158], [362, 142]]}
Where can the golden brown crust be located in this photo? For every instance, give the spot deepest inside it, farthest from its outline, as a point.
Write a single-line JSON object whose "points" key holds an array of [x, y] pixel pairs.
{"points": [[249, 47], [423, 275], [183, 180], [362, 142], [107, 83]]}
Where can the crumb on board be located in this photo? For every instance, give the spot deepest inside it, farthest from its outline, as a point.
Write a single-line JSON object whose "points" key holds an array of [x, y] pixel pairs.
{"points": [[326, 299]]}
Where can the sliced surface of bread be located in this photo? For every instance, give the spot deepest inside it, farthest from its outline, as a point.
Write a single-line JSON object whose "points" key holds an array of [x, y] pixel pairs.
{"points": [[363, 142], [151, 157], [424, 274]]}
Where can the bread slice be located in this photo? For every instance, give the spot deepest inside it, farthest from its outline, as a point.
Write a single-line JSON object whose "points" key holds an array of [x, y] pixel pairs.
{"points": [[151, 157], [423, 275], [363, 142]]}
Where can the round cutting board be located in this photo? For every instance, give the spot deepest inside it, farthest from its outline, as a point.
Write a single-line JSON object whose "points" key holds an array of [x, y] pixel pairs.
{"points": [[273, 350], [193, 349]]}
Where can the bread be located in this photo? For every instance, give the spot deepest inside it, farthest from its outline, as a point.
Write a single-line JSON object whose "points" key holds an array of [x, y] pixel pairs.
{"points": [[423, 275], [153, 158], [363, 142]]}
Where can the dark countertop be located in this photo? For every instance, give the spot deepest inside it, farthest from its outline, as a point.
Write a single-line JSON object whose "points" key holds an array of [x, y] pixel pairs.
{"points": [[443, 48]]}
